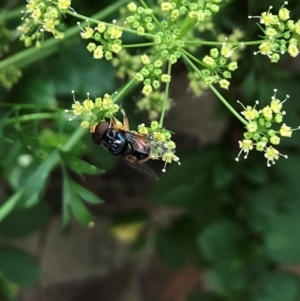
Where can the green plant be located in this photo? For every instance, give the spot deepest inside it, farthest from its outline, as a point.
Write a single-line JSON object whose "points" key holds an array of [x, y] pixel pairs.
{"points": [[37, 137]]}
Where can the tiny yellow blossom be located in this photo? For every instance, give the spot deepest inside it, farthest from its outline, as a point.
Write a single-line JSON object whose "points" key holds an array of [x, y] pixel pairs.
{"points": [[293, 50], [224, 84], [251, 127], [63, 4], [250, 113], [107, 101], [285, 131], [88, 33], [267, 113], [166, 6], [246, 146], [88, 104], [116, 48], [284, 14], [272, 154], [276, 105], [142, 129], [147, 89], [275, 140], [77, 108], [226, 50], [101, 27], [116, 32], [265, 48], [132, 7], [98, 52], [145, 59]]}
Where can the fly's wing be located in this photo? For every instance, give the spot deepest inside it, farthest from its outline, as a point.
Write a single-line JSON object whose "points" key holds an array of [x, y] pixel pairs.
{"points": [[139, 142], [143, 168]]}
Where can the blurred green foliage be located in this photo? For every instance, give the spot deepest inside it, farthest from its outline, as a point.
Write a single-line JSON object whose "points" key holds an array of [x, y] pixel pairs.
{"points": [[240, 222]]}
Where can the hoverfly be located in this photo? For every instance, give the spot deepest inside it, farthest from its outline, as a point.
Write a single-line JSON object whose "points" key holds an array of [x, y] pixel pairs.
{"points": [[132, 148]]}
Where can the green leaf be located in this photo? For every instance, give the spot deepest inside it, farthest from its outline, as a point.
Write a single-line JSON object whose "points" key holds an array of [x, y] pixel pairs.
{"points": [[67, 196], [10, 204], [228, 279], [72, 201], [220, 241], [74, 60], [18, 266], [38, 90], [23, 222], [222, 175], [37, 180], [181, 185], [282, 238], [8, 290], [80, 212], [85, 194], [278, 287], [262, 207], [176, 245], [81, 167], [168, 251]]}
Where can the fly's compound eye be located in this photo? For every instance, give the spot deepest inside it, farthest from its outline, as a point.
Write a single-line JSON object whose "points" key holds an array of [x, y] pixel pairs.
{"points": [[99, 132]]}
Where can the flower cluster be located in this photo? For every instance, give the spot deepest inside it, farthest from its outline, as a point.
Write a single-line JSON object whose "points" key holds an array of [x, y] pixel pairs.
{"points": [[40, 17], [107, 38], [141, 19], [162, 147], [93, 111], [217, 69], [259, 129], [197, 11], [153, 104], [9, 76], [151, 75], [279, 34]]}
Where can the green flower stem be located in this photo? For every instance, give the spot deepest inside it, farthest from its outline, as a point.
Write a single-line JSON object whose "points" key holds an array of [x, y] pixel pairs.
{"points": [[194, 58], [125, 90], [31, 55], [30, 117], [212, 43], [138, 45], [162, 116], [73, 140], [153, 16], [223, 100], [186, 26], [96, 21], [131, 84]]}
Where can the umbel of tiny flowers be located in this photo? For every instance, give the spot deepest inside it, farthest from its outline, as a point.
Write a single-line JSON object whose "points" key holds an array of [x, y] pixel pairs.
{"points": [[94, 111], [281, 34], [259, 132], [40, 17]]}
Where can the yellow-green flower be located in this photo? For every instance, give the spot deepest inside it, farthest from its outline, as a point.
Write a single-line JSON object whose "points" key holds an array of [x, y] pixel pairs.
{"points": [[246, 146]]}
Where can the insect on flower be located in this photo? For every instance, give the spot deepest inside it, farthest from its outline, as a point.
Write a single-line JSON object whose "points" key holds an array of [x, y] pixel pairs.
{"points": [[131, 147]]}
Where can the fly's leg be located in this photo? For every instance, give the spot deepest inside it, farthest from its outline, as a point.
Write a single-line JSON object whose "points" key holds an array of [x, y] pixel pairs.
{"points": [[125, 120]]}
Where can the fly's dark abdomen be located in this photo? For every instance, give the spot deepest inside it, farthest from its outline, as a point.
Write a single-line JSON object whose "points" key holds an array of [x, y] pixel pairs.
{"points": [[140, 155], [115, 142]]}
